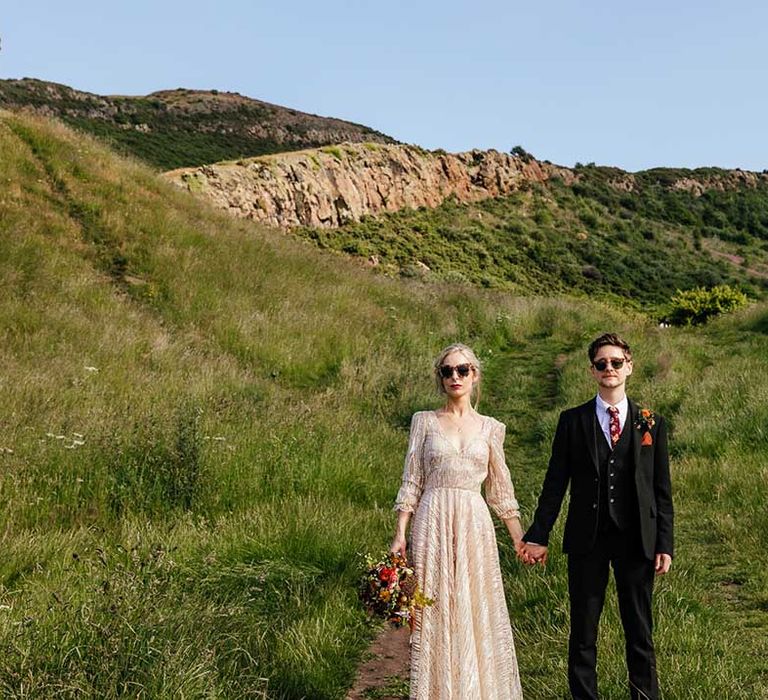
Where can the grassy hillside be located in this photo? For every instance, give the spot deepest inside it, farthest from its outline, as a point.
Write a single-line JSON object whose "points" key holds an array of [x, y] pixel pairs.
{"points": [[589, 238], [204, 422], [177, 128]]}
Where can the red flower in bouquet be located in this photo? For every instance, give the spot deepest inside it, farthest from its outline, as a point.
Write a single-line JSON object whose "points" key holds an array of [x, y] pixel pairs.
{"points": [[388, 575]]}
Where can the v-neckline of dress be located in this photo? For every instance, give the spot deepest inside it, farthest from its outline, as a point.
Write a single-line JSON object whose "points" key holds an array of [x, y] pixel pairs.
{"points": [[450, 442]]}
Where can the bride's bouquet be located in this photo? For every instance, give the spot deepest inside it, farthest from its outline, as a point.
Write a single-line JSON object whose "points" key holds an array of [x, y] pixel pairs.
{"points": [[389, 590]]}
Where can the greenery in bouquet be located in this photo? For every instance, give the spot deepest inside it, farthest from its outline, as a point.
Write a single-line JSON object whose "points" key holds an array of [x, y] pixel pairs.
{"points": [[389, 590]]}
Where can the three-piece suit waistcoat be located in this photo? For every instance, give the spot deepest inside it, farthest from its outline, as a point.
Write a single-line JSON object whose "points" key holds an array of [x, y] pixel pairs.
{"points": [[617, 500]]}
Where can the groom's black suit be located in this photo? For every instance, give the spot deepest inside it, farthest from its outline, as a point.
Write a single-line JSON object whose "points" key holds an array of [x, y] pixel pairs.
{"points": [[620, 513]]}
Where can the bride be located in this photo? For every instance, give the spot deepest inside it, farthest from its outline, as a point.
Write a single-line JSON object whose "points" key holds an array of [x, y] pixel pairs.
{"points": [[462, 646]]}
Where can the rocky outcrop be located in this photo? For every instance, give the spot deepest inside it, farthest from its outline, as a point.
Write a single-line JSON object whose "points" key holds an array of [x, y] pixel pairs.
{"points": [[337, 184], [726, 180], [696, 182]]}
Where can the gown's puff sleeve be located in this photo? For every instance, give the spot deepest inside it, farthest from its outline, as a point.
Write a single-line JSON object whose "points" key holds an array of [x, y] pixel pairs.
{"points": [[413, 472], [499, 491]]}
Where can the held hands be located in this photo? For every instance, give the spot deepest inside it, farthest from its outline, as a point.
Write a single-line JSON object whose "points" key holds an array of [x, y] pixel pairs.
{"points": [[530, 553]]}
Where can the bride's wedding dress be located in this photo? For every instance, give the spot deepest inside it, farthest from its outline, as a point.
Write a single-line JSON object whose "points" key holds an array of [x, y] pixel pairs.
{"points": [[462, 646]]}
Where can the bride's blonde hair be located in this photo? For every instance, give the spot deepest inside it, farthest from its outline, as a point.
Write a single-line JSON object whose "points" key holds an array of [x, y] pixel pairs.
{"points": [[473, 360]]}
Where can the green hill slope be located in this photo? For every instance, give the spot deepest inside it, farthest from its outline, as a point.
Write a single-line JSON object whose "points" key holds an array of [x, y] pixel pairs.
{"points": [[204, 422], [594, 237], [177, 128]]}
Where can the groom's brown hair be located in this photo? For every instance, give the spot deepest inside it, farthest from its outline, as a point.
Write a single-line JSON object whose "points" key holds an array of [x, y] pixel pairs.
{"points": [[609, 339]]}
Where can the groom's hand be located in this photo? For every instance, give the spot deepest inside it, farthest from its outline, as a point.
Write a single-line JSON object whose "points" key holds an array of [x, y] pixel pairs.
{"points": [[533, 553], [662, 563]]}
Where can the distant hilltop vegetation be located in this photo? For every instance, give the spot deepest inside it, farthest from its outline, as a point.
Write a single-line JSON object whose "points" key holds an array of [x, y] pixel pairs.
{"points": [[177, 128]]}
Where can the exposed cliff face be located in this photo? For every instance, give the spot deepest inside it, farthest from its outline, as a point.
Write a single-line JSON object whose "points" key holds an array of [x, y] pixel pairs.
{"points": [[335, 185]]}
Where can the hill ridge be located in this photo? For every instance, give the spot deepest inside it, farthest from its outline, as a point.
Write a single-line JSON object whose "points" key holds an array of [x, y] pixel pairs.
{"points": [[182, 127]]}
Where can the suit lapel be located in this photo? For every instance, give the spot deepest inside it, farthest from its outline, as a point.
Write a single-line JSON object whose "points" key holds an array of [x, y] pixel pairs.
{"points": [[588, 419]]}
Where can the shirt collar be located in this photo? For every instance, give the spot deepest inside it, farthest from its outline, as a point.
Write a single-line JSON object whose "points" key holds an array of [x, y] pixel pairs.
{"points": [[623, 405]]}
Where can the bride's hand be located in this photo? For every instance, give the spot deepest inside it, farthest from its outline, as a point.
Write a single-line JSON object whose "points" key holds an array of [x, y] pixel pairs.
{"points": [[398, 545], [522, 552]]}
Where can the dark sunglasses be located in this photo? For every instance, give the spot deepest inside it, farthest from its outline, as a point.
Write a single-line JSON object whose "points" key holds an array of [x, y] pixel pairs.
{"points": [[446, 371], [602, 365]]}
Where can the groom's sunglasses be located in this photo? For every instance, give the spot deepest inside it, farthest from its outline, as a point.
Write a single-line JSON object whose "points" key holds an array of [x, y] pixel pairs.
{"points": [[446, 371], [602, 365]]}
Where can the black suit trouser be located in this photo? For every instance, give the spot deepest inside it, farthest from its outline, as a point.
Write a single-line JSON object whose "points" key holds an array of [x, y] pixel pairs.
{"points": [[587, 581]]}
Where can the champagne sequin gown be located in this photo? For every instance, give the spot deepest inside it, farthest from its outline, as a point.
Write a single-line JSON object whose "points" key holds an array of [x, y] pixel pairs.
{"points": [[462, 646]]}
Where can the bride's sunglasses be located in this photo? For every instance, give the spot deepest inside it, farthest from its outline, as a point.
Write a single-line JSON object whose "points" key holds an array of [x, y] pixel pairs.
{"points": [[446, 371], [602, 365]]}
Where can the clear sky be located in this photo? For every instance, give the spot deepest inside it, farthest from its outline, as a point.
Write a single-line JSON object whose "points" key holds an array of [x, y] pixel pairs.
{"points": [[636, 85]]}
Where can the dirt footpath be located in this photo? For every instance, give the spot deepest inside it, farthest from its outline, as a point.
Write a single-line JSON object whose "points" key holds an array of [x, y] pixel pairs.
{"points": [[384, 676]]}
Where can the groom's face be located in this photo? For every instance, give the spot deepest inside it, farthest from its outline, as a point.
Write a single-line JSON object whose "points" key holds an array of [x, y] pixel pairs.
{"points": [[604, 368]]}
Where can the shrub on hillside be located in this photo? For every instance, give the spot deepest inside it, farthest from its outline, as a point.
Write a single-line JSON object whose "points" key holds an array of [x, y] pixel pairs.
{"points": [[521, 153], [693, 307]]}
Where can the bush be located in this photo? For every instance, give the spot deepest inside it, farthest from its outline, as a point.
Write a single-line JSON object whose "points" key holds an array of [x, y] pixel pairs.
{"points": [[696, 306], [522, 154], [592, 273]]}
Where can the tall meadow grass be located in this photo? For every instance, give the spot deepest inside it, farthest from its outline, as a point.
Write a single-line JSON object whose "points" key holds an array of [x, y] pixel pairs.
{"points": [[203, 424]]}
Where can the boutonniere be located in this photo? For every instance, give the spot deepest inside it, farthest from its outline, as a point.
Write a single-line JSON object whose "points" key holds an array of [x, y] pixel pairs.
{"points": [[646, 419]]}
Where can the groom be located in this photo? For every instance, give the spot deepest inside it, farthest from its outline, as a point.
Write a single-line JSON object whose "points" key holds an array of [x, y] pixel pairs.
{"points": [[614, 454]]}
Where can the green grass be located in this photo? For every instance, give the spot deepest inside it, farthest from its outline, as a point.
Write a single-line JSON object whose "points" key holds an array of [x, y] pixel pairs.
{"points": [[394, 687], [204, 423]]}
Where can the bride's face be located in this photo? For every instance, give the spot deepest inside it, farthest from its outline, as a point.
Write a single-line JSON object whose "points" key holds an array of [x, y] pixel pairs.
{"points": [[461, 375]]}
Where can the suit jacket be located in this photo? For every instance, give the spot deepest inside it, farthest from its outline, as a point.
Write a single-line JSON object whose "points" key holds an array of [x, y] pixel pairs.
{"points": [[574, 460]]}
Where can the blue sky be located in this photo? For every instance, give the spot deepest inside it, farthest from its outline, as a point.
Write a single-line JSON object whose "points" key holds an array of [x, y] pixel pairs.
{"points": [[635, 85]]}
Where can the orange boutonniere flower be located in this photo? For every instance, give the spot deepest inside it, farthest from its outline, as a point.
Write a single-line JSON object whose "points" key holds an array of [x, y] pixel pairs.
{"points": [[645, 421]]}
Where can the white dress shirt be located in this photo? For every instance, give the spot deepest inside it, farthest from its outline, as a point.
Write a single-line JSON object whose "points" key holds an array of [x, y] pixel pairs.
{"points": [[604, 418]]}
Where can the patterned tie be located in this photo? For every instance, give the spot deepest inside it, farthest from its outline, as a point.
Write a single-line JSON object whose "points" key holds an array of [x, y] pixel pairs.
{"points": [[614, 426]]}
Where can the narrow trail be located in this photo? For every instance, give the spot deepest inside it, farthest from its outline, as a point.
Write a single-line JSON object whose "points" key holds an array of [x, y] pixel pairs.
{"points": [[384, 676], [525, 383]]}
